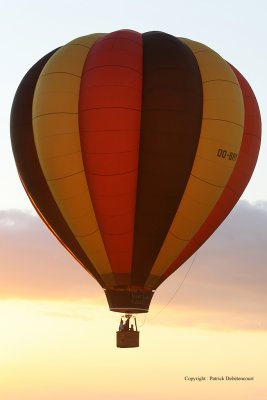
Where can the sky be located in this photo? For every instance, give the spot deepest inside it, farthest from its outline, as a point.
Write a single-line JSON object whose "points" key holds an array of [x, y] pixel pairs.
{"points": [[57, 337]]}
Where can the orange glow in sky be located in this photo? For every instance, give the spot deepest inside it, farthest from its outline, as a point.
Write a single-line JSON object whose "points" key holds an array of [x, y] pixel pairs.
{"points": [[66, 350], [57, 336]]}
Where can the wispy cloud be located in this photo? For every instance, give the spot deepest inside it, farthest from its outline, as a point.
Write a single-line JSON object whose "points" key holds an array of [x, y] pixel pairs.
{"points": [[226, 286], [34, 263], [227, 283]]}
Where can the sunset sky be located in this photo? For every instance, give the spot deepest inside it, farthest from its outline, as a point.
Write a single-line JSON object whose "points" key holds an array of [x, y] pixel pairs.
{"points": [[57, 337]]}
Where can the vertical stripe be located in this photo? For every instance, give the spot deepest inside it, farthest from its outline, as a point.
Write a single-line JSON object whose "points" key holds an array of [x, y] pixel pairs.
{"points": [[220, 141], [142, 205], [240, 177], [30, 171], [109, 118], [170, 128], [57, 139]]}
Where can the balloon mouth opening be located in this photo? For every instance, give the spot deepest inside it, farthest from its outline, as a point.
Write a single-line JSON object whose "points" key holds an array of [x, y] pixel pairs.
{"points": [[129, 301]]}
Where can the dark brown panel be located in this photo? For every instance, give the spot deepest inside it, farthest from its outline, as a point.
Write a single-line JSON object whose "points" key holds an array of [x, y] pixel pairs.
{"points": [[239, 179], [171, 118], [29, 167]]}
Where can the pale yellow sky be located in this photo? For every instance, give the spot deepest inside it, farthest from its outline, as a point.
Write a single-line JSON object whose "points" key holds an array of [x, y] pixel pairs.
{"points": [[66, 350], [57, 337]]}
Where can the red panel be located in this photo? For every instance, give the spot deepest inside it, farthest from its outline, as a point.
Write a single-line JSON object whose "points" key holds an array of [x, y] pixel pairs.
{"points": [[109, 118], [239, 179]]}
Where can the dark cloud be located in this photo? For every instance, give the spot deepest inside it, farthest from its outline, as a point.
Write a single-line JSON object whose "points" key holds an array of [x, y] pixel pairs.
{"points": [[226, 285]]}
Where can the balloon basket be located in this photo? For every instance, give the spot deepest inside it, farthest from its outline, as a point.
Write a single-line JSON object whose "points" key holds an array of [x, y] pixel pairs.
{"points": [[127, 339], [128, 335]]}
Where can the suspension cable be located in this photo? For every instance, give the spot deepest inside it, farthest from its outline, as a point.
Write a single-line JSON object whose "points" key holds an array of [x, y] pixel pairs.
{"points": [[174, 294]]}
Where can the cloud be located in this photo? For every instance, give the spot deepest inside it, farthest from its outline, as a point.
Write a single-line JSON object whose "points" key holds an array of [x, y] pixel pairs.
{"points": [[227, 282], [225, 287], [35, 264]]}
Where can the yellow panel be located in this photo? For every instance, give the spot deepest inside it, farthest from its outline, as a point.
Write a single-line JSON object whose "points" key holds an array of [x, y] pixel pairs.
{"points": [[190, 213], [57, 139], [212, 67], [213, 130], [61, 150], [208, 149], [219, 144], [222, 101], [56, 93], [69, 187], [87, 40], [57, 125], [211, 172], [73, 51], [63, 166], [94, 242], [75, 204], [53, 127], [69, 146], [194, 46], [69, 58], [172, 245], [201, 192]]}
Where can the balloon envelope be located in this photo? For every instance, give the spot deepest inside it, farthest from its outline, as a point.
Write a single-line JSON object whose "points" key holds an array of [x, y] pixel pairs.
{"points": [[133, 148]]}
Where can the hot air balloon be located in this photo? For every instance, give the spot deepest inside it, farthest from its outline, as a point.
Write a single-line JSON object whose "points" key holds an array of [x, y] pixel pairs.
{"points": [[133, 148]]}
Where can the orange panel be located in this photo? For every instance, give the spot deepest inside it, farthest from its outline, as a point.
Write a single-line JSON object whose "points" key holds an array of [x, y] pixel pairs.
{"points": [[109, 118]]}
